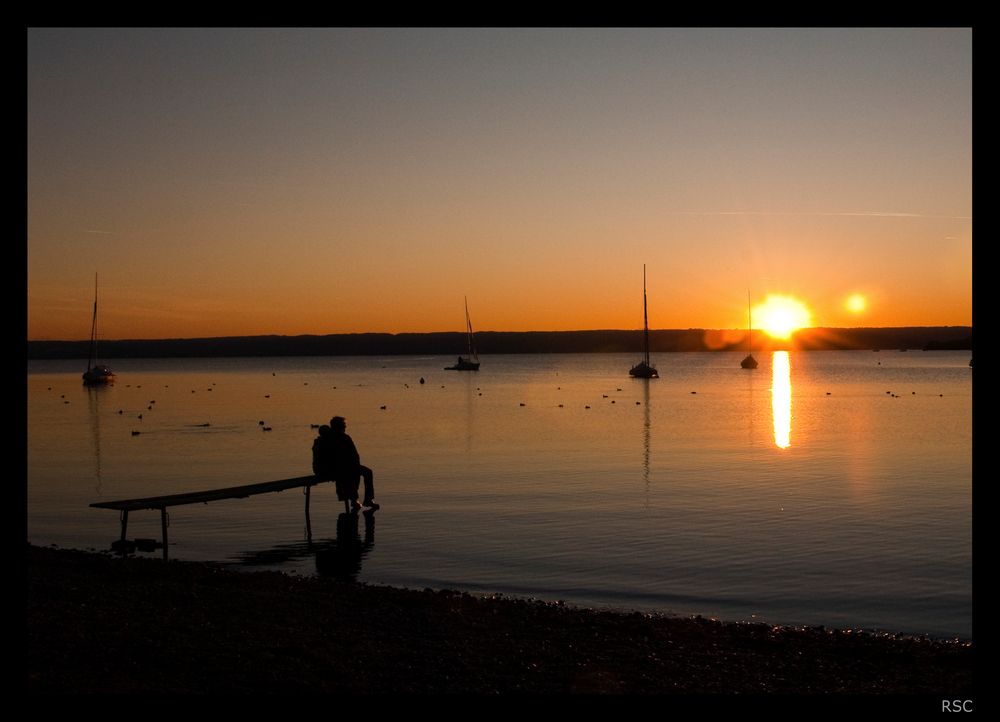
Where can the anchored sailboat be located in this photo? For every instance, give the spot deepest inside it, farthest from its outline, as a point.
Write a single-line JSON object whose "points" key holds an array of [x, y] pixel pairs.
{"points": [[96, 373], [749, 362], [643, 370], [471, 363]]}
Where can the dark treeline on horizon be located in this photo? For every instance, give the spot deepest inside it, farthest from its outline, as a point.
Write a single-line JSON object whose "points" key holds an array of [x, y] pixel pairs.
{"points": [[512, 342]]}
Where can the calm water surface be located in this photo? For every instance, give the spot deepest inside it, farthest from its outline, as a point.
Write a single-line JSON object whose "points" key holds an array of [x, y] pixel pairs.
{"points": [[825, 487]]}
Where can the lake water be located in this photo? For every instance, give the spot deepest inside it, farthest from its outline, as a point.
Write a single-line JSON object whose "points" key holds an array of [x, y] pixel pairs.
{"points": [[824, 487]]}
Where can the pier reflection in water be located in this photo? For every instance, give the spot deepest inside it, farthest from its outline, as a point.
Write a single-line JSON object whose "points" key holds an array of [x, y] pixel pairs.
{"points": [[338, 558]]}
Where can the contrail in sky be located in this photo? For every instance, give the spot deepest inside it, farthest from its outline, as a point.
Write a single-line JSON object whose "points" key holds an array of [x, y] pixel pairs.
{"points": [[870, 214]]}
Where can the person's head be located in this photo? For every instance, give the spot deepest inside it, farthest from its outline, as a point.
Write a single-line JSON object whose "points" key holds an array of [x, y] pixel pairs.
{"points": [[324, 430], [338, 423]]}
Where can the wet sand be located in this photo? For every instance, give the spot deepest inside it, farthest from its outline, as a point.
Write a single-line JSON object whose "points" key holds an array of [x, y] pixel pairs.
{"points": [[98, 624]]}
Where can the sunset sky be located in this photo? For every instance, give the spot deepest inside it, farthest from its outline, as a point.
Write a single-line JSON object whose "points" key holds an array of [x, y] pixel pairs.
{"points": [[230, 182]]}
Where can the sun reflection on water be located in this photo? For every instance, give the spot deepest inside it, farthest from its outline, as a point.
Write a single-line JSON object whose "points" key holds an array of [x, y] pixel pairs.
{"points": [[781, 398]]}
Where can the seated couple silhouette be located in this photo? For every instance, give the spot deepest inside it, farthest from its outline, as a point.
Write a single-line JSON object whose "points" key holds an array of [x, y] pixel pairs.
{"points": [[336, 458]]}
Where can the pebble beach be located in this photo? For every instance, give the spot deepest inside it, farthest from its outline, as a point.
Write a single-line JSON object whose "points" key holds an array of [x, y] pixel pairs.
{"points": [[98, 624]]}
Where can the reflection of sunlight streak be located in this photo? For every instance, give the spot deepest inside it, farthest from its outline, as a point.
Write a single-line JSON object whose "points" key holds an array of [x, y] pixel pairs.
{"points": [[781, 398]]}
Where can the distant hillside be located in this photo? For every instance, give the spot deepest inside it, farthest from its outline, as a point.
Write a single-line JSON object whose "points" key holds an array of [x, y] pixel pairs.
{"points": [[510, 342]]}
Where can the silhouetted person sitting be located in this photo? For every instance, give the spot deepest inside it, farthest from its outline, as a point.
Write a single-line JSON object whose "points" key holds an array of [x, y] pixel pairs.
{"points": [[346, 467], [322, 456], [325, 453]]}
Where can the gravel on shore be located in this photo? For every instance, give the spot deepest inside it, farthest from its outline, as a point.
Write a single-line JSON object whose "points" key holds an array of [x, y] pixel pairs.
{"points": [[97, 624]]}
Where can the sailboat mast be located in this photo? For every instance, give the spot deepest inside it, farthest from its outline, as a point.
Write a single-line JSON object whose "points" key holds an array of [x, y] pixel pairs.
{"points": [[93, 330], [645, 320], [468, 328], [749, 325]]}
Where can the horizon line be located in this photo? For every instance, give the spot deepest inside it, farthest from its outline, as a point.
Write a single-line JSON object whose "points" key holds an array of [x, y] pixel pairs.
{"points": [[462, 333]]}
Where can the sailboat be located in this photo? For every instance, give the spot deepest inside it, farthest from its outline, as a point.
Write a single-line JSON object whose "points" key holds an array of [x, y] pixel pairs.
{"points": [[749, 362], [96, 374], [643, 370], [470, 363]]}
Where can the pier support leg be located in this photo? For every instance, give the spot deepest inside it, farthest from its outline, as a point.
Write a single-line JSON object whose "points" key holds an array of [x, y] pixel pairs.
{"points": [[163, 525], [124, 520], [309, 533]]}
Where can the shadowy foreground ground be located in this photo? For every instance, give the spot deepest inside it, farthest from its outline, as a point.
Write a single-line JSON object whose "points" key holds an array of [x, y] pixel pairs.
{"points": [[97, 624]]}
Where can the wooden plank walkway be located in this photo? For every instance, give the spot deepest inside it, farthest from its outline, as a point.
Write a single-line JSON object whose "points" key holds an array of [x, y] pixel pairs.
{"points": [[162, 503]]}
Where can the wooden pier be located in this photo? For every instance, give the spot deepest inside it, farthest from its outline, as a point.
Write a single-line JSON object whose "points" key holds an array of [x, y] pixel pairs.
{"points": [[162, 503]]}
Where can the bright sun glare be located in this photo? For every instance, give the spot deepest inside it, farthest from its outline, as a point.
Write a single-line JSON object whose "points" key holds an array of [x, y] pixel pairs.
{"points": [[856, 303], [781, 316]]}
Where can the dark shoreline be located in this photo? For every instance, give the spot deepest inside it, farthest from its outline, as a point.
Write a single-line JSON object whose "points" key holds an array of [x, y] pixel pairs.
{"points": [[512, 342], [98, 624]]}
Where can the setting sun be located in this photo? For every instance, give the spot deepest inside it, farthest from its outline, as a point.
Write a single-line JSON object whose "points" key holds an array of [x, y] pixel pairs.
{"points": [[781, 316]]}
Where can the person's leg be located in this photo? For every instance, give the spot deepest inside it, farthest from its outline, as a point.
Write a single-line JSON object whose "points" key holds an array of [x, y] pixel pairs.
{"points": [[354, 493], [369, 478], [347, 492]]}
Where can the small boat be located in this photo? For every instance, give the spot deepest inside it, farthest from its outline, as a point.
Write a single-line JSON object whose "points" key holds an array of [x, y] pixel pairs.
{"points": [[749, 362], [471, 363], [96, 374], [643, 369]]}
